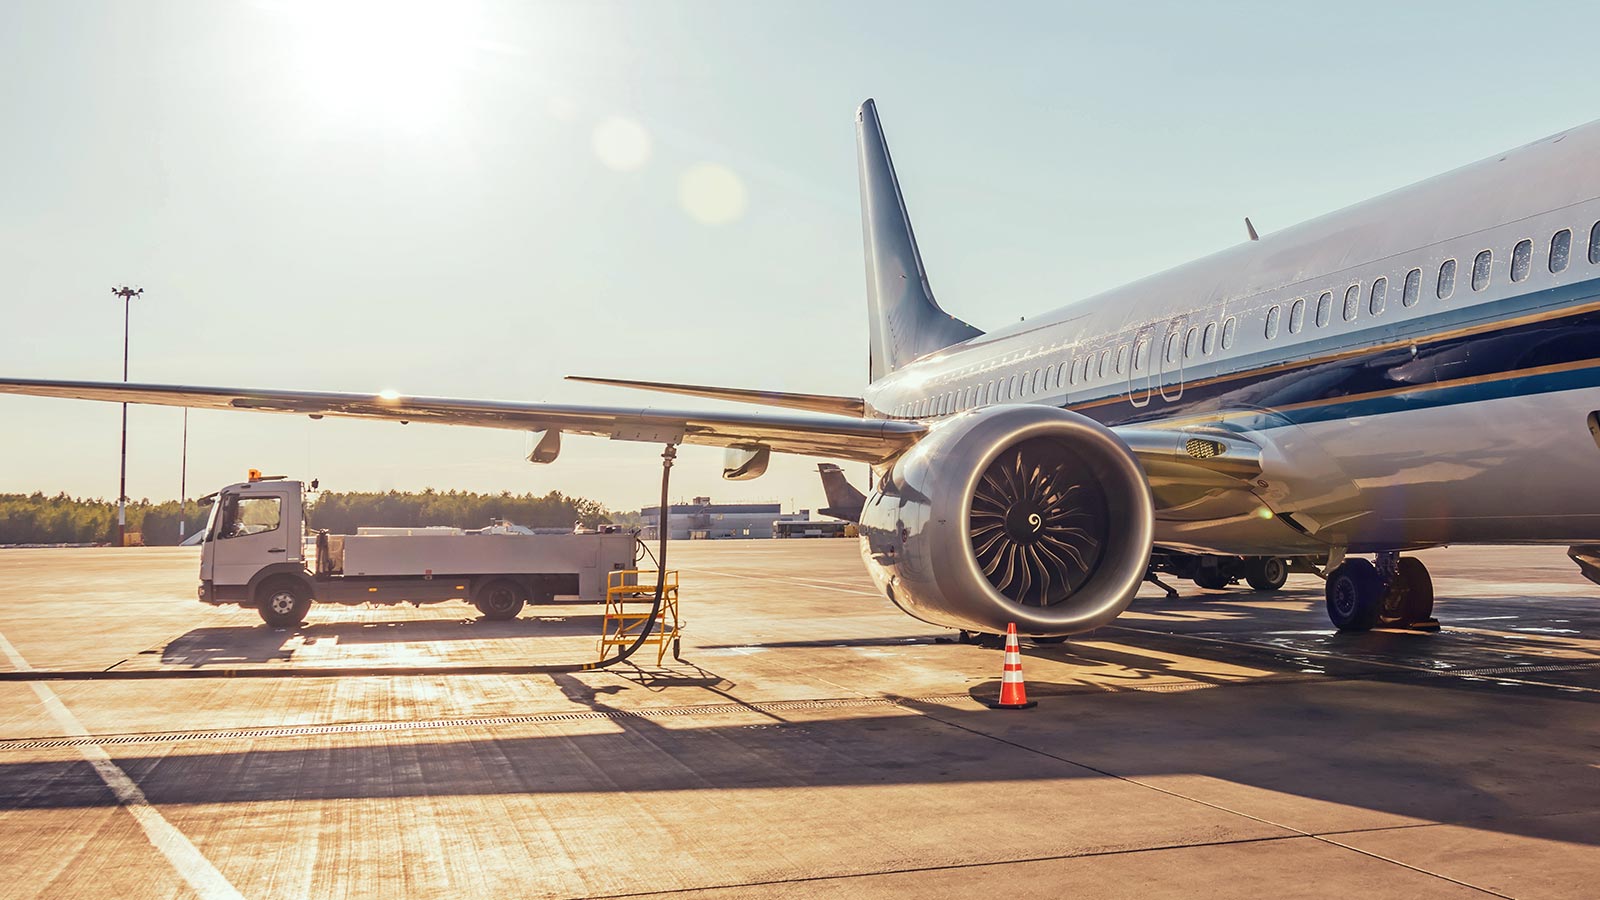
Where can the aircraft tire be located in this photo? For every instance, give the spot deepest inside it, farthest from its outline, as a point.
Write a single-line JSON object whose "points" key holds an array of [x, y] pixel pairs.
{"points": [[1355, 595], [1418, 605], [1267, 573], [501, 599], [1211, 579], [282, 602]]}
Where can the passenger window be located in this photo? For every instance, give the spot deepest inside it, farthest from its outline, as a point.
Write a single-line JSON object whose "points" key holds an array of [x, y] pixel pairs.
{"points": [[1122, 359], [1209, 342], [1447, 279], [1594, 243], [1481, 264], [1560, 250], [1521, 258], [1191, 343], [1141, 354], [1413, 288], [1105, 362], [1352, 300], [1013, 389], [1380, 295], [1297, 315], [1324, 308], [1228, 329], [1038, 378], [1072, 372], [1273, 315], [1172, 347]]}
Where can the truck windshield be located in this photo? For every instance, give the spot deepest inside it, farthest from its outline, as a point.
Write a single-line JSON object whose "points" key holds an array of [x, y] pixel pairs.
{"points": [[246, 515]]}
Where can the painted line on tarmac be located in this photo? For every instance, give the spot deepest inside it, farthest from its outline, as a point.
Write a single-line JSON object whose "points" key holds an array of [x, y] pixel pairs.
{"points": [[187, 859], [814, 583]]}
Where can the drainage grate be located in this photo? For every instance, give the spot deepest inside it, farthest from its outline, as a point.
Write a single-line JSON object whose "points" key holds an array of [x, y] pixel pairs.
{"points": [[474, 722]]}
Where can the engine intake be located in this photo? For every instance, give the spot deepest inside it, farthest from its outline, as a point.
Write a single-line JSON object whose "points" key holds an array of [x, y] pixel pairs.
{"points": [[1024, 514]]}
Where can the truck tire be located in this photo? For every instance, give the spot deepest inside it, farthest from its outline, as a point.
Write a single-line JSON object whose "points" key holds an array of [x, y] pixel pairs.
{"points": [[283, 602], [501, 599]]}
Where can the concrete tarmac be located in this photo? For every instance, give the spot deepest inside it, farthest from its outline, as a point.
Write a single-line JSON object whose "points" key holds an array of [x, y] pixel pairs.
{"points": [[813, 742]]}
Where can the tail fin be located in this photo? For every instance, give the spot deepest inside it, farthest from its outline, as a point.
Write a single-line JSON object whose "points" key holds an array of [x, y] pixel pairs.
{"points": [[844, 501], [904, 320]]}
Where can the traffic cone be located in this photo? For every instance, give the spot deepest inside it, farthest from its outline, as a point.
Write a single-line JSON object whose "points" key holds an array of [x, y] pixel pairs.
{"points": [[1013, 692]]}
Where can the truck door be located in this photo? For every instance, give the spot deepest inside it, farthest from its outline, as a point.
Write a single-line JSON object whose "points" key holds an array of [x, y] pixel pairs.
{"points": [[248, 535], [1141, 369], [1171, 365]]}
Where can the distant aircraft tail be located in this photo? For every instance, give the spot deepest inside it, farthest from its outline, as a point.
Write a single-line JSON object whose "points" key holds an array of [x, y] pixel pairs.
{"points": [[844, 501], [904, 321]]}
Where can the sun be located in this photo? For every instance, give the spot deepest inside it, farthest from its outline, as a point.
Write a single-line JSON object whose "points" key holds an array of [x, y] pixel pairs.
{"points": [[389, 62]]}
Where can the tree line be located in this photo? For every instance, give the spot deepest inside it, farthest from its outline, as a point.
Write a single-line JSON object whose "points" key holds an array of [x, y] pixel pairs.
{"points": [[39, 519]]}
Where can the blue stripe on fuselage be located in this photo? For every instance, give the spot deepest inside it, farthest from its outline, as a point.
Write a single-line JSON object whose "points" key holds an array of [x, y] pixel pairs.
{"points": [[1437, 369]]}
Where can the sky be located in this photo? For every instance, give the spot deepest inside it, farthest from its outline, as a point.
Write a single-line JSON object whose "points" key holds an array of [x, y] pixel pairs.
{"points": [[474, 199]]}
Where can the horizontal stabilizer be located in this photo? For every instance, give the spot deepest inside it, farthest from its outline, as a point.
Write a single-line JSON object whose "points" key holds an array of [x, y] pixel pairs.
{"points": [[824, 403]]}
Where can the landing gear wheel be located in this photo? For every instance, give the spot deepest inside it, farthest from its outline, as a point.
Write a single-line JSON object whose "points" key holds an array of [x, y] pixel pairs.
{"points": [[1355, 595], [501, 599], [984, 640], [1266, 573], [1211, 579], [1409, 600], [283, 602]]}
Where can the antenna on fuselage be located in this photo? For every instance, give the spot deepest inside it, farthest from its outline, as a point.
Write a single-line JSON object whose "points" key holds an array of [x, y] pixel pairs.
{"points": [[1251, 229]]}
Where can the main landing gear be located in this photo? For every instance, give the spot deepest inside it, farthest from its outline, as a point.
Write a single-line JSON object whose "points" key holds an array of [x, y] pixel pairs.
{"points": [[1395, 593]]}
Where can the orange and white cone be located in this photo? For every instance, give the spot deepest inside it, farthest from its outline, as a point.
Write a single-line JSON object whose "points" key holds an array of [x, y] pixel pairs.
{"points": [[1013, 691]]}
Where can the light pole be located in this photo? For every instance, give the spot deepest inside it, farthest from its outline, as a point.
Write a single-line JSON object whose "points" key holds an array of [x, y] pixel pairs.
{"points": [[127, 294], [183, 479]]}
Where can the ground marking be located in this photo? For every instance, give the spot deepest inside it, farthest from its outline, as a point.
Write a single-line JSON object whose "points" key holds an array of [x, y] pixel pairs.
{"points": [[795, 581], [195, 869]]}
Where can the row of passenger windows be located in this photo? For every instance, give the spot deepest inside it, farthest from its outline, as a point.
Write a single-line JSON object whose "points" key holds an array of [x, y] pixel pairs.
{"points": [[1088, 368], [1444, 286], [1198, 341]]}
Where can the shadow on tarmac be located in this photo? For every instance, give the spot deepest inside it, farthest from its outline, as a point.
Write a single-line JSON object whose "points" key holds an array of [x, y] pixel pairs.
{"points": [[1392, 746], [235, 645]]}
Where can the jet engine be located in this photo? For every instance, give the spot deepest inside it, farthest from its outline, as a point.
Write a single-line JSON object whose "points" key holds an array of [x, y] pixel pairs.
{"points": [[1024, 514]]}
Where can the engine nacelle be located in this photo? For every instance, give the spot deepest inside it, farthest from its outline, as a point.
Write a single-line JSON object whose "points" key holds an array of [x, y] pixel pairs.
{"points": [[1024, 514]]}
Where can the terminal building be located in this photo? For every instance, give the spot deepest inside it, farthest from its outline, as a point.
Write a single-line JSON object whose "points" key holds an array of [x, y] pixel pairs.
{"points": [[704, 520]]}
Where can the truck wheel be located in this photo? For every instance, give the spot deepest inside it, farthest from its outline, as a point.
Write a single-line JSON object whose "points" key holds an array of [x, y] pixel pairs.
{"points": [[283, 602], [501, 599], [1267, 573]]}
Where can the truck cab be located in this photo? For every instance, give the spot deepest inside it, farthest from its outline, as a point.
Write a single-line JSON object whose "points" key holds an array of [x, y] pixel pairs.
{"points": [[256, 528]]}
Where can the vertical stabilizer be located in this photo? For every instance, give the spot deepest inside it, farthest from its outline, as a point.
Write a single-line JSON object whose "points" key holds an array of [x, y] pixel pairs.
{"points": [[844, 501], [904, 320]]}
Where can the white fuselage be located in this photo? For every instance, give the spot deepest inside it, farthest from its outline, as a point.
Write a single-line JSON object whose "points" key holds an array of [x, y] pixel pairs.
{"points": [[1421, 415]]}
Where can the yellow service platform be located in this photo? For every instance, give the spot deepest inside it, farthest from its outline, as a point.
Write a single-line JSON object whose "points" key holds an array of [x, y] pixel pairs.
{"points": [[629, 595]]}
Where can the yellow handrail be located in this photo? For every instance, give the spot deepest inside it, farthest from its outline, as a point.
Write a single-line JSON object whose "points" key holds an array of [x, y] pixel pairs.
{"points": [[620, 625]]}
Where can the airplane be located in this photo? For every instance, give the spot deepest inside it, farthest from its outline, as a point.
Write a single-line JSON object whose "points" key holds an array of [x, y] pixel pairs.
{"points": [[1411, 371]]}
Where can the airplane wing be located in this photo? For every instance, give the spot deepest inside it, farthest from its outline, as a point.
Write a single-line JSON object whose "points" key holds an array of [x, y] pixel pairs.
{"points": [[838, 437], [1186, 460]]}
